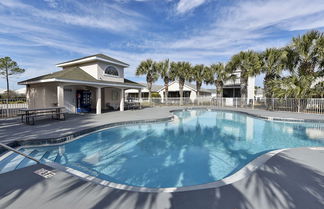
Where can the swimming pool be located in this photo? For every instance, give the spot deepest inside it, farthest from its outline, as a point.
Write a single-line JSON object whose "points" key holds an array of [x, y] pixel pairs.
{"points": [[197, 147]]}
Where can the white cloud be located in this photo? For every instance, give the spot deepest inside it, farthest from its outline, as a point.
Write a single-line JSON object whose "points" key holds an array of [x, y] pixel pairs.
{"points": [[243, 25], [112, 17], [52, 3], [184, 6], [252, 25]]}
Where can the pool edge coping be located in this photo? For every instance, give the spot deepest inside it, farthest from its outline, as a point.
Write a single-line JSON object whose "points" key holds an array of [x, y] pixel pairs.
{"points": [[242, 173]]}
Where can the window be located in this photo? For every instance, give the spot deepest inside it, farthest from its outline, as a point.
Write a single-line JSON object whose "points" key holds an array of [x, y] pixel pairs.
{"points": [[111, 70]]}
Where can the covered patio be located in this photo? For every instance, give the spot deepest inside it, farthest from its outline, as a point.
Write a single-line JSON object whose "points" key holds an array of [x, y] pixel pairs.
{"points": [[77, 91]]}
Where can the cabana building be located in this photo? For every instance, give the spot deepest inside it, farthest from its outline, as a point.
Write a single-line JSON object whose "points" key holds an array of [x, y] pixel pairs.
{"points": [[92, 83]]}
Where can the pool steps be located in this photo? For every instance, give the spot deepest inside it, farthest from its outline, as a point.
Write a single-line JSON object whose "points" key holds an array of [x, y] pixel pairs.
{"points": [[12, 161]]}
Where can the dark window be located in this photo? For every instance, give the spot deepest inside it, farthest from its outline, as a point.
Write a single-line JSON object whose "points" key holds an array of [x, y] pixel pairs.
{"points": [[111, 70]]}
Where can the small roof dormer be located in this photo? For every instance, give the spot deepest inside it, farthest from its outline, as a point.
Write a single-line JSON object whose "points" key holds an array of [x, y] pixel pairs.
{"points": [[92, 58]]}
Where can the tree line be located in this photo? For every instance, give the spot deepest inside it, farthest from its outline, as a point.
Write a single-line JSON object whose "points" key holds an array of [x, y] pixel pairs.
{"points": [[292, 71]]}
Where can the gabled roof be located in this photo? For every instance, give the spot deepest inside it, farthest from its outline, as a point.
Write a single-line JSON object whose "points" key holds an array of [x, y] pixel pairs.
{"points": [[75, 74], [155, 88], [189, 85], [94, 57]]}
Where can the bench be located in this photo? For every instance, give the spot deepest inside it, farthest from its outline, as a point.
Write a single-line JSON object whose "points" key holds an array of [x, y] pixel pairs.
{"points": [[31, 114]]}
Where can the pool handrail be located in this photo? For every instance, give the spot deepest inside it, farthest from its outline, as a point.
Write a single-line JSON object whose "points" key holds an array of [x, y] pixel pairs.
{"points": [[20, 153]]}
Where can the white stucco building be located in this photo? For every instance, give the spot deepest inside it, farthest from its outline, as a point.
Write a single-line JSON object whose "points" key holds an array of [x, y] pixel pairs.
{"points": [[92, 83], [232, 88], [189, 91]]}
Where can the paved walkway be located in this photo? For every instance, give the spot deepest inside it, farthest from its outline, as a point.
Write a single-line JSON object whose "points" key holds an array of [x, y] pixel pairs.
{"points": [[292, 179], [13, 129]]}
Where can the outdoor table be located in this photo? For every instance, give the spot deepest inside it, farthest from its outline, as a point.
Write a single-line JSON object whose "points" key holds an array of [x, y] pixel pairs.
{"points": [[36, 112]]}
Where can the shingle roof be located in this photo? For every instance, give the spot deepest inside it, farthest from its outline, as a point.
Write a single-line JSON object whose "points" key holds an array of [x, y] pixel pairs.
{"points": [[76, 74], [193, 86], [97, 55], [155, 87]]}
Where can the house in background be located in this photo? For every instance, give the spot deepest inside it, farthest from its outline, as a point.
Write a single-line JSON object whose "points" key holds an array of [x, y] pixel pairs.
{"points": [[189, 91], [259, 94], [94, 82], [232, 89], [134, 93]]}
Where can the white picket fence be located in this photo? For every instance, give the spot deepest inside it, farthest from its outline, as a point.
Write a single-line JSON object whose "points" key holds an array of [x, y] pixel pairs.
{"points": [[310, 105], [12, 108]]}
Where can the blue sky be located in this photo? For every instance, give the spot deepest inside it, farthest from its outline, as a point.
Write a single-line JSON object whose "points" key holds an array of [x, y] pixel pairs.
{"points": [[41, 33]]}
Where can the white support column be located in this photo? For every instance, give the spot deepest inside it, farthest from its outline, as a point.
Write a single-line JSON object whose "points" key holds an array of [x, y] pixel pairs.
{"points": [[98, 108], [122, 100], [60, 95]]}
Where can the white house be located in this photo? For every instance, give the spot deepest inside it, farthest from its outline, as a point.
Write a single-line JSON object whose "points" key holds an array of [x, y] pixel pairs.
{"points": [[89, 83], [232, 88], [189, 91], [259, 94], [134, 93]]}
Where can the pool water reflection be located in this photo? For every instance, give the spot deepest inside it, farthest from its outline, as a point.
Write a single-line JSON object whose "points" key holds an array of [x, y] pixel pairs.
{"points": [[197, 147]]}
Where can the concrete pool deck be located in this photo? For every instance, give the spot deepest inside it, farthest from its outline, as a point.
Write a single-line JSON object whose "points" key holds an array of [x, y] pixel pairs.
{"points": [[291, 179]]}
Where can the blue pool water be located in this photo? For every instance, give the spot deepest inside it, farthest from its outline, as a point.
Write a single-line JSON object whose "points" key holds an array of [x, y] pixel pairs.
{"points": [[198, 147]]}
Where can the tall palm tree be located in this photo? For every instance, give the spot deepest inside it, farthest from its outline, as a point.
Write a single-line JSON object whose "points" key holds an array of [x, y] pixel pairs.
{"points": [[305, 63], [304, 53], [219, 74], [248, 64], [164, 68], [294, 86], [149, 68], [199, 74], [180, 71], [273, 62], [320, 48]]}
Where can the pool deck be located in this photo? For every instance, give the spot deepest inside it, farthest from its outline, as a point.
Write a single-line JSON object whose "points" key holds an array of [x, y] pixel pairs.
{"points": [[293, 178]]}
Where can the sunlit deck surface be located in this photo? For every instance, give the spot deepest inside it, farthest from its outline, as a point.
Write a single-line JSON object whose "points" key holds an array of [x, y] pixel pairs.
{"points": [[292, 179]]}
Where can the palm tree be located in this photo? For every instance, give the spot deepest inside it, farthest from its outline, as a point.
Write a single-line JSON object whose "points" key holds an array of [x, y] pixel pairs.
{"points": [[294, 86], [148, 68], [219, 74], [199, 74], [180, 71], [273, 62], [248, 64], [305, 53], [320, 48], [164, 68], [305, 62]]}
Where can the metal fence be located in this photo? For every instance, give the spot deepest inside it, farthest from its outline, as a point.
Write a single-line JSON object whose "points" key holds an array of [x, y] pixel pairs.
{"points": [[11, 109], [310, 105]]}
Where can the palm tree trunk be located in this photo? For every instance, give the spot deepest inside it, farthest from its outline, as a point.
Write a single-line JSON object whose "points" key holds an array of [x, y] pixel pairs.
{"points": [[198, 86], [8, 93], [166, 88], [243, 92], [219, 93], [181, 84], [149, 87], [219, 89]]}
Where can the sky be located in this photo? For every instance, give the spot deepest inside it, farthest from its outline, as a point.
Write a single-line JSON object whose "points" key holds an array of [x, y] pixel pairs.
{"points": [[41, 33]]}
